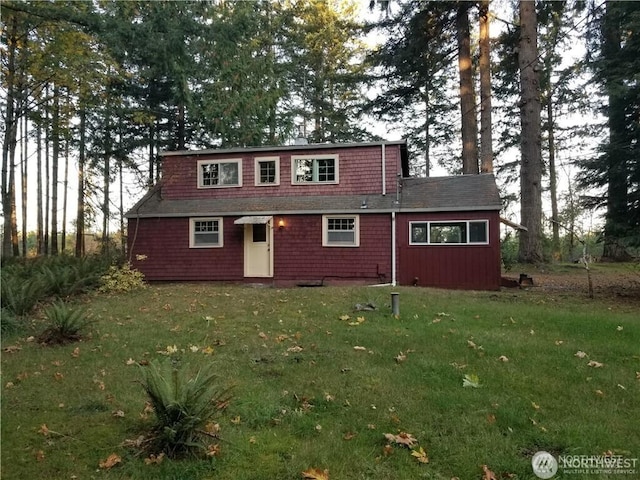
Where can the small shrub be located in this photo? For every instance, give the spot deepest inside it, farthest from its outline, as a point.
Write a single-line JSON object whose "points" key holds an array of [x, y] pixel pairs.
{"points": [[65, 324], [121, 279], [9, 323], [183, 407]]}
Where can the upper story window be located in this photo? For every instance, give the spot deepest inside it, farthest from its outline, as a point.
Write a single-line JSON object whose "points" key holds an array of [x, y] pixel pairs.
{"points": [[340, 231], [267, 171], [458, 232], [314, 169], [205, 232], [219, 173]]}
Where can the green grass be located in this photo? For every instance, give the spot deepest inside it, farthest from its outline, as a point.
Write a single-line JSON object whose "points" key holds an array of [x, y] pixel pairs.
{"points": [[303, 397]]}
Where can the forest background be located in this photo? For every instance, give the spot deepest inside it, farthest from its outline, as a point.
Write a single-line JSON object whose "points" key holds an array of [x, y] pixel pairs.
{"points": [[546, 95]]}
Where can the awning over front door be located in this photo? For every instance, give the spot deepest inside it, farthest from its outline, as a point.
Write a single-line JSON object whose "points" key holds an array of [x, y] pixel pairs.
{"points": [[253, 220]]}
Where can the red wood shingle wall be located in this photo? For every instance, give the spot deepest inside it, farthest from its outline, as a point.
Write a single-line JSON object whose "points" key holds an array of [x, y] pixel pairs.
{"points": [[360, 172]]}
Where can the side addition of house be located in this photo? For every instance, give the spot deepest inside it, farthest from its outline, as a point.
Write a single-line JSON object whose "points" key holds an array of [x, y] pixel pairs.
{"points": [[315, 214]]}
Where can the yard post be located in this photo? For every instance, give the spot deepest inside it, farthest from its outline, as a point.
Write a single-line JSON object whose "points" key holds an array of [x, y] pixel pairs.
{"points": [[395, 303]]}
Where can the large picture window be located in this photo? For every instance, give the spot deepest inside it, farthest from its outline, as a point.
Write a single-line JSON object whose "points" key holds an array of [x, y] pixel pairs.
{"points": [[314, 169], [205, 233], [219, 173], [340, 231], [465, 232]]}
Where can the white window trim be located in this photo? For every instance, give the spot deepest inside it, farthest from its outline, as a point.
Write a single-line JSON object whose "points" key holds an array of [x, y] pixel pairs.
{"points": [[437, 222], [295, 158], [192, 225], [257, 161], [237, 161], [325, 231]]}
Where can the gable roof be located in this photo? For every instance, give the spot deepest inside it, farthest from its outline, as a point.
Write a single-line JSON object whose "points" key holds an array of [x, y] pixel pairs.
{"points": [[432, 194]]}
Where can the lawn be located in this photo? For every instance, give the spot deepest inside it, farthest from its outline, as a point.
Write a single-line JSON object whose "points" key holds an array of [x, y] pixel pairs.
{"points": [[317, 384]]}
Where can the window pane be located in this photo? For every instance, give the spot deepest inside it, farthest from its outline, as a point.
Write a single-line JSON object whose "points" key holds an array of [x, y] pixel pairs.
{"points": [[418, 233], [448, 232], [259, 233], [326, 170], [206, 232], [304, 170], [228, 174], [478, 232], [341, 230], [210, 174], [268, 171]]}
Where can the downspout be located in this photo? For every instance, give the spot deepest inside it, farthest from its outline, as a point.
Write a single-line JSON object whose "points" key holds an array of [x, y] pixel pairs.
{"points": [[393, 248], [384, 169]]}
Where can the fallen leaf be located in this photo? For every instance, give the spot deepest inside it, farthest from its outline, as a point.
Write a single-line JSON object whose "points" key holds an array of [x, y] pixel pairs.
{"points": [[252, 440], [559, 342], [118, 413], [621, 387], [403, 438], [491, 419], [503, 358], [295, 349], [349, 436], [535, 405], [387, 450], [580, 354], [39, 455], [360, 349], [213, 450], [420, 455], [44, 430], [58, 376], [131, 361], [111, 461], [315, 474], [401, 357], [263, 336], [488, 474], [344, 317], [208, 351], [471, 344], [236, 420], [154, 459], [600, 393], [594, 364], [12, 349], [76, 352], [471, 380], [619, 328]]}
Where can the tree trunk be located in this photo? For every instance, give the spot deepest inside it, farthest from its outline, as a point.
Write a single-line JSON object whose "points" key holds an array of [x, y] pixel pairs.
{"points": [[39, 228], [553, 180], [55, 158], [65, 194], [24, 172], [106, 185], [530, 248], [9, 142], [486, 145], [80, 204], [616, 217], [467, 95]]}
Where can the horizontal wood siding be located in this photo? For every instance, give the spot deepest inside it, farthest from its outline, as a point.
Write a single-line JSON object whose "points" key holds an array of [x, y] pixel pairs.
{"points": [[299, 254], [360, 172], [473, 267], [165, 244]]}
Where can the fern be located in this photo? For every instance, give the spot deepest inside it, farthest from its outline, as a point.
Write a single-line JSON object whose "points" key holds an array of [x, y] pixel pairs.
{"points": [[183, 406], [65, 324]]}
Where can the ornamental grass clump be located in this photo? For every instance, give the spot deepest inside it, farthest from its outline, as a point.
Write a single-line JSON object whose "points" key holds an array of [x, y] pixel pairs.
{"points": [[184, 408], [66, 324]]}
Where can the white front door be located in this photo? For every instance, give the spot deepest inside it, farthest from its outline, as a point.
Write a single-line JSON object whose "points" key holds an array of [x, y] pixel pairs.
{"points": [[258, 254]]}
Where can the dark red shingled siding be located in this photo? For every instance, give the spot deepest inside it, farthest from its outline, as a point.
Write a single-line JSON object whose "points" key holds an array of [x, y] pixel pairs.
{"points": [[360, 172], [298, 251], [165, 243], [460, 266], [299, 254]]}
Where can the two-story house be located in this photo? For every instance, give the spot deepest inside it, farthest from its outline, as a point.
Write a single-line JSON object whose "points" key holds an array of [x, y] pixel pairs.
{"points": [[315, 214]]}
